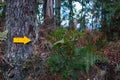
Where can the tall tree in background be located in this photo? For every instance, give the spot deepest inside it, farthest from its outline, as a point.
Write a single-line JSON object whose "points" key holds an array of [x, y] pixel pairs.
{"points": [[44, 8], [57, 12], [71, 13], [111, 19], [48, 13], [20, 21]]}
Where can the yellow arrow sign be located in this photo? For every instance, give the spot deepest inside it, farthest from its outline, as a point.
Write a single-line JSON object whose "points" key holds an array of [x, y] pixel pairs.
{"points": [[24, 40]]}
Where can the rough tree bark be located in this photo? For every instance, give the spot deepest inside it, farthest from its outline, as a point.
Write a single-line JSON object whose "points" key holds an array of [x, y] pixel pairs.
{"points": [[20, 21]]}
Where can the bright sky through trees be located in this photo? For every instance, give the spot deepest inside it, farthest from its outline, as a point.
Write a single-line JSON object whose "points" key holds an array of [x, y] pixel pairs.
{"points": [[77, 6], [65, 12]]}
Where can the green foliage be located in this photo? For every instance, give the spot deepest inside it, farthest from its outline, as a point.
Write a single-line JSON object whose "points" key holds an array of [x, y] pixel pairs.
{"points": [[66, 35], [101, 42], [66, 58], [3, 35], [112, 7], [111, 18]]}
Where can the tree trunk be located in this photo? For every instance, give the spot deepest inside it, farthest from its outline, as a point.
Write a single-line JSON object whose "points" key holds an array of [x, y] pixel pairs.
{"points": [[48, 13], [20, 21], [44, 8], [57, 12], [70, 14]]}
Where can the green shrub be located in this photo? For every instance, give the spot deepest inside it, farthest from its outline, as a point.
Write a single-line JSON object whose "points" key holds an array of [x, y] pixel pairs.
{"points": [[66, 58]]}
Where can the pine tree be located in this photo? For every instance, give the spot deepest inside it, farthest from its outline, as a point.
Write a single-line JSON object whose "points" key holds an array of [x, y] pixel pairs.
{"points": [[20, 21]]}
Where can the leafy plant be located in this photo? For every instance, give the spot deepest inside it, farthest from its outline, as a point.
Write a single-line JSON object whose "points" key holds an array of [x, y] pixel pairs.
{"points": [[3, 35], [66, 58]]}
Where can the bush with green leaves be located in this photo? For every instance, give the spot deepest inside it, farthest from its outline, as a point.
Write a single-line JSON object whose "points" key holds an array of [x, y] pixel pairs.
{"points": [[66, 58]]}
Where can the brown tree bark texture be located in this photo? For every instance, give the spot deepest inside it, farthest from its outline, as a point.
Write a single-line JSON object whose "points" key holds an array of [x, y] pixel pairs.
{"points": [[48, 13], [20, 21]]}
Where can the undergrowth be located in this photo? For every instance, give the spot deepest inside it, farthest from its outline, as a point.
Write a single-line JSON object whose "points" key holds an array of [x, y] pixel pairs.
{"points": [[66, 57]]}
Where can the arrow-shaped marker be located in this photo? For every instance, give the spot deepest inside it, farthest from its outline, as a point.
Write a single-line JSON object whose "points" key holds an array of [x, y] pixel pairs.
{"points": [[23, 40]]}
